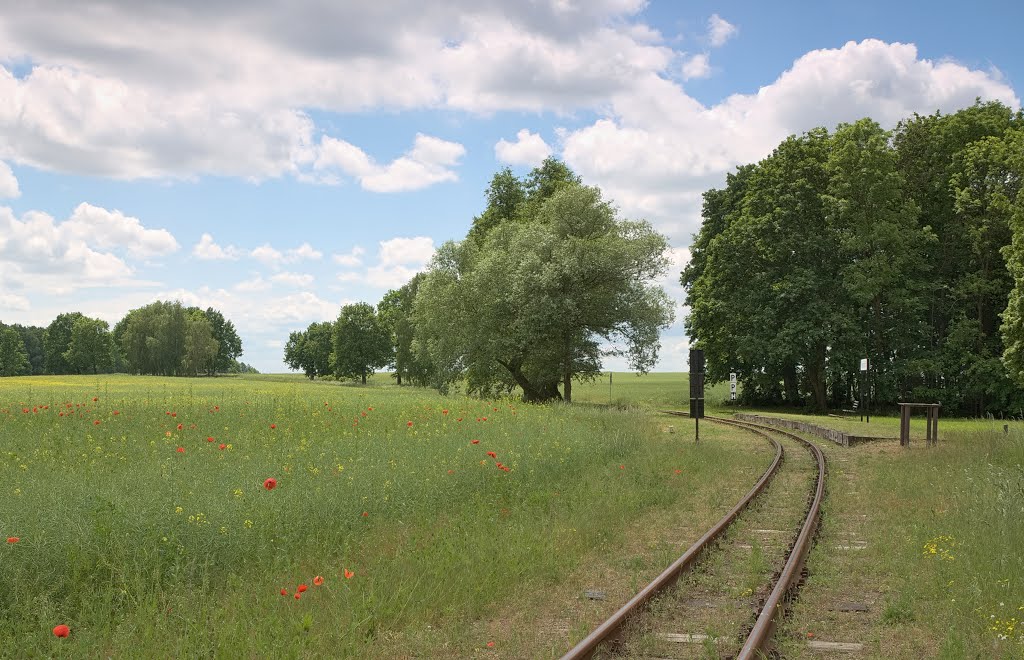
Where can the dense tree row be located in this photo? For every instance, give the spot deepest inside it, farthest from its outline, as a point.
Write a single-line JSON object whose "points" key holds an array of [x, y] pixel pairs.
{"points": [[164, 338], [547, 282], [905, 247]]}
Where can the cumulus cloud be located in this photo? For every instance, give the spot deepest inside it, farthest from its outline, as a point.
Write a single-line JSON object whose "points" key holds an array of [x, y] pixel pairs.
{"points": [[14, 302], [659, 148], [267, 255], [350, 259], [529, 149], [112, 229], [428, 162], [8, 183], [207, 249], [41, 255], [398, 260], [297, 280], [696, 66], [720, 30]]}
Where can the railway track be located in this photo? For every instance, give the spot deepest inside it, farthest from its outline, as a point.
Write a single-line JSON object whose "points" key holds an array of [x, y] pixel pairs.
{"points": [[795, 499]]}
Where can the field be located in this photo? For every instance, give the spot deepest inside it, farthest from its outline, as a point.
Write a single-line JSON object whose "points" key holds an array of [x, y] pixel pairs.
{"points": [[144, 522]]}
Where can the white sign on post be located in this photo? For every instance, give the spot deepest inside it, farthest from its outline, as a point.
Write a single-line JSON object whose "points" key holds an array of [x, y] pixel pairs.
{"points": [[732, 386], [864, 364]]}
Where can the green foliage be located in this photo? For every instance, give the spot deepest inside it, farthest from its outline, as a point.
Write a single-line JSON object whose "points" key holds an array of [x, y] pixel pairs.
{"points": [[32, 336], [361, 342], [865, 243], [169, 339], [13, 356], [395, 312], [527, 303], [56, 341], [229, 344], [91, 347], [310, 351]]}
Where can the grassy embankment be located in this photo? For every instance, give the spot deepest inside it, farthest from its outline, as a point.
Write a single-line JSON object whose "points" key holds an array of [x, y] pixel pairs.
{"points": [[147, 550]]}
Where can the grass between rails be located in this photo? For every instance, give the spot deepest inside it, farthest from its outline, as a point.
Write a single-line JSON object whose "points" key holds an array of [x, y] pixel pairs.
{"points": [[145, 550]]}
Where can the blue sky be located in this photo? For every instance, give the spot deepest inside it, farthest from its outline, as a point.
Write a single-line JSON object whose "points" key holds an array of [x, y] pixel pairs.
{"points": [[279, 159]]}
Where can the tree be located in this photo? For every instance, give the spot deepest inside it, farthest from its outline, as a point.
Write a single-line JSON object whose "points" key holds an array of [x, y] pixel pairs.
{"points": [[33, 337], [91, 347], [13, 356], [57, 340], [395, 313], [530, 303], [229, 344], [201, 347], [361, 344], [310, 351]]}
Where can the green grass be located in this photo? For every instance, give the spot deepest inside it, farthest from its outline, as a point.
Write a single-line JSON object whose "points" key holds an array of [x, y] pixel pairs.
{"points": [[145, 551], [657, 391]]}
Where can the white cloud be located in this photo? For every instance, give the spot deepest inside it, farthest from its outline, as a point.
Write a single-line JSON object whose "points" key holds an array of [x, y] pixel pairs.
{"points": [[351, 259], [207, 249], [428, 162], [659, 148], [417, 250], [529, 149], [267, 255], [302, 253], [696, 66], [720, 30], [8, 183], [255, 284], [297, 280], [14, 302], [40, 255], [112, 229]]}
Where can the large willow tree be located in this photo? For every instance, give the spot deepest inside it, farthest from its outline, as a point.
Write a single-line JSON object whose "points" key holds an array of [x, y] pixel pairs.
{"points": [[542, 289]]}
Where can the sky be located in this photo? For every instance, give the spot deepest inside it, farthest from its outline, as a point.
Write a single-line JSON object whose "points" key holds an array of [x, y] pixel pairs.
{"points": [[278, 159]]}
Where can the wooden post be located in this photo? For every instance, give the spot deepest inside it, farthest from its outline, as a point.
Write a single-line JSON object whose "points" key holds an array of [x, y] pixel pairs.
{"points": [[904, 425]]}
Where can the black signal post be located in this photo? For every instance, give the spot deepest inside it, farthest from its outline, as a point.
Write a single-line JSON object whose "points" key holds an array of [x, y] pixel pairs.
{"points": [[696, 389]]}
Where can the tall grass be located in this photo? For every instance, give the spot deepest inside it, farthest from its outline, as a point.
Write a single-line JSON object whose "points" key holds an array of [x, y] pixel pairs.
{"points": [[148, 551]]}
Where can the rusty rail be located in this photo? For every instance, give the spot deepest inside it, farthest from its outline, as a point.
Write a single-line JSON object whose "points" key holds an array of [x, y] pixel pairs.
{"points": [[758, 641], [612, 627]]}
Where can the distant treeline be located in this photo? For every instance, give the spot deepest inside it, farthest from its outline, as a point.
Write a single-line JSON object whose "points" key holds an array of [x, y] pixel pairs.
{"points": [[162, 338], [546, 279], [905, 247]]}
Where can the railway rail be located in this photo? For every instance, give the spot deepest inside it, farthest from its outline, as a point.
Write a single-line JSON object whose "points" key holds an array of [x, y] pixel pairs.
{"points": [[758, 642]]}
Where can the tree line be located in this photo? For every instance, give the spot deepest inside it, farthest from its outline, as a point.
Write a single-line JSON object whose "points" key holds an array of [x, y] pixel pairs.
{"points": [[547, 282], [162, 338], [905, 247]]}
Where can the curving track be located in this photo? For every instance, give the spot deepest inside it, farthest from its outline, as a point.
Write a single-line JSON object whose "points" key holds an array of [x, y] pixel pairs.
{"points": [[758, 642]]}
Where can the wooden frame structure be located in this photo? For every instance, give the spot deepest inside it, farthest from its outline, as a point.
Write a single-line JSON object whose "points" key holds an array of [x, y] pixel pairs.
{"points": [[931, 410]]}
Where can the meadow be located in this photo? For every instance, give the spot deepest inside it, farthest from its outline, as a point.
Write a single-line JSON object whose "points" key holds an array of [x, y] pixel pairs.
{"points": [[258, 516]]}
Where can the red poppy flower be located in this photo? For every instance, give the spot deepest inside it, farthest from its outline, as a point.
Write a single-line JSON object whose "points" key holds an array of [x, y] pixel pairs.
{"points": [[365, 513], [622, 467], [179, 427], [24, 410], [270, 484], [173, 414], [210, 439], [679, 471], [318, 580], [302, 588], [348, 574], [444, 412], [273, 426], [490, 645], [95, 398], [61, 630], [363, 414], [13, 539], [484, 418], [180, 450], [95, 422], [492, 454], [370, 408], [408, 423], [474, 442], [451, 471], [221, 446], [117, 412], [217, 408], [297, 596], [459, 419], [284, 592]]}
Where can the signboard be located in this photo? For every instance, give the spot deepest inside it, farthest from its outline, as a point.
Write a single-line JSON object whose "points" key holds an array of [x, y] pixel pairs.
{"points": [[732, 386], [696, 383], [863, 364]]}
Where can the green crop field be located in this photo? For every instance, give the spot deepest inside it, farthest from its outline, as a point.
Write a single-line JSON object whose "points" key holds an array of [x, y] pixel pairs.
{"points": [[143, 522]]}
